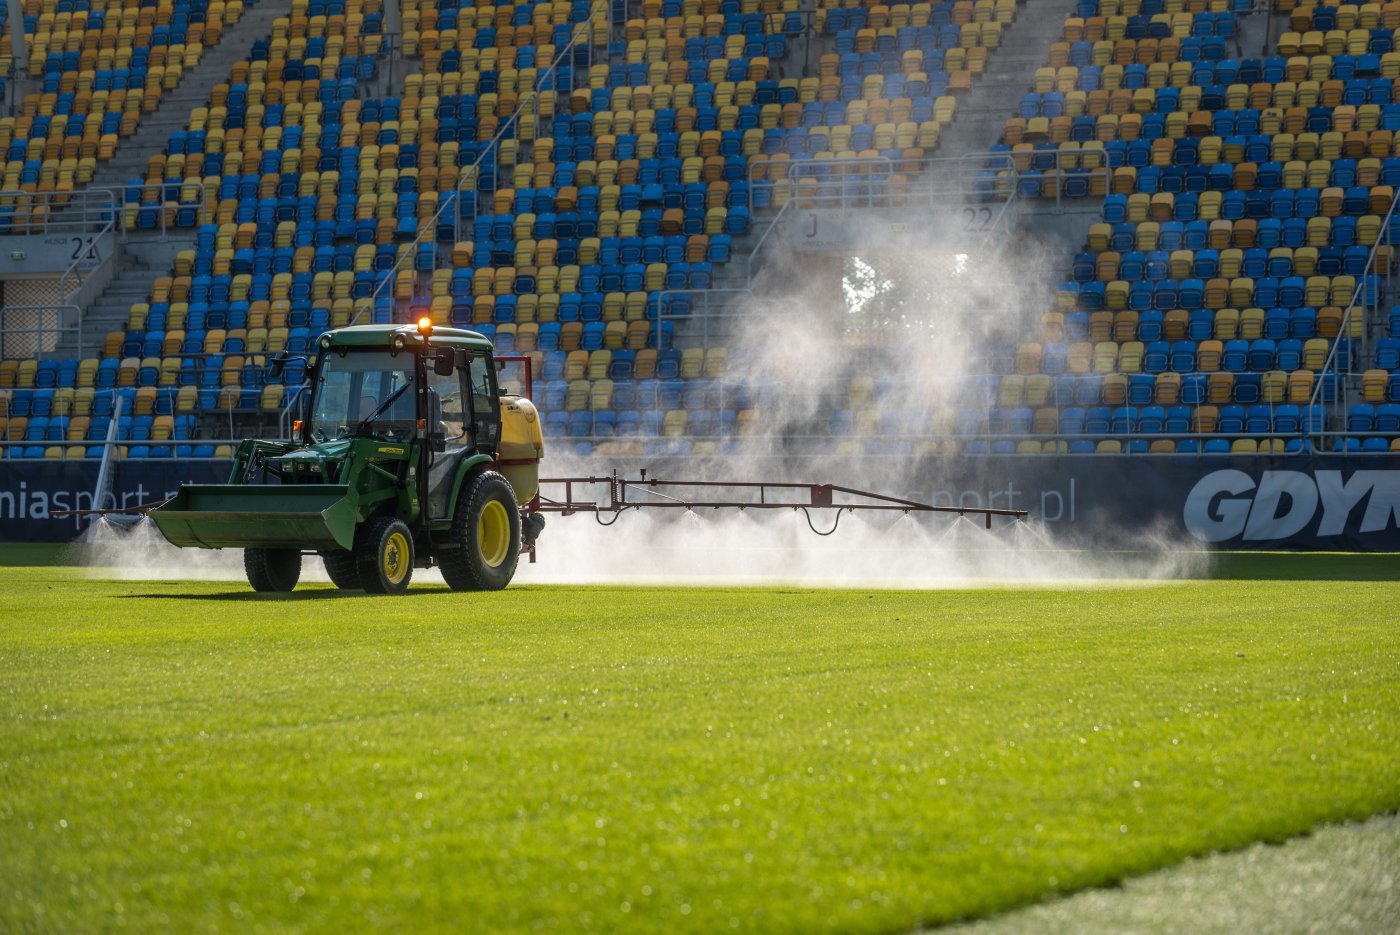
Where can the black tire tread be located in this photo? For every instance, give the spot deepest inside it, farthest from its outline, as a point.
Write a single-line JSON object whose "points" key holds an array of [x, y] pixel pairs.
{"points": [[343, 569], [272, 570], [461, 567], [367, 556]]}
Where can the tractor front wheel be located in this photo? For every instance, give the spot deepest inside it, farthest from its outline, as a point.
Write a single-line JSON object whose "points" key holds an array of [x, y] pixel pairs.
{"points": [[486, 531], [384, 552], [343, 569], [272, 569]]}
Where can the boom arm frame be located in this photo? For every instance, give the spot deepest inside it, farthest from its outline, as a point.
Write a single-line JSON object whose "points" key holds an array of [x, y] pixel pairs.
{"points": [[566, 497]]}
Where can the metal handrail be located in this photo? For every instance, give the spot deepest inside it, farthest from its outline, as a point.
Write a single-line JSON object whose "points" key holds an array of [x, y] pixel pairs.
{"points": [[91, 252], [773, 225], [958, 192], [955, 189], [863, 171], [662, 303], [733, 438], [1027, 436], [98, 209], [284, 415], [163, 206], [936, 184], [65, 304], [789, 435], [104, 472], [940, 186], [113, 445], [93, 207], [429, 227], [1358, 301], [847, 177], [41, 332], [1060, 157]]}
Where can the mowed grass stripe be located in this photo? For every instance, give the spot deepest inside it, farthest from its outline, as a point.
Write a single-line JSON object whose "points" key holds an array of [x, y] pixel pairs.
{"points": [[187, 755]]}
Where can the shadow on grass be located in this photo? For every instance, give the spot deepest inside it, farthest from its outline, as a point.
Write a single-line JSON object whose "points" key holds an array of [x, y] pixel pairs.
{"points": [[319, 594]]}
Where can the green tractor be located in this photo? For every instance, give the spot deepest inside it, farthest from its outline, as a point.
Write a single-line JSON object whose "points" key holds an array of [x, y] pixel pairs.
{"points": [[406, 455]]}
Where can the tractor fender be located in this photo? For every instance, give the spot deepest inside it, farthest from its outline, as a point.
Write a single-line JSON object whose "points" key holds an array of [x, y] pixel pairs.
{"points": [[468, 467]]}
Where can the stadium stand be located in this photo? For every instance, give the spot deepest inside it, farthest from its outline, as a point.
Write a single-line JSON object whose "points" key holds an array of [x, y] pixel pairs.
{"points": [[567, 178], [1248, 207], [626, 182], [93, 74]]}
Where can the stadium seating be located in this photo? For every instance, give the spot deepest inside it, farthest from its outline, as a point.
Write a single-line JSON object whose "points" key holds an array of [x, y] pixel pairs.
{"points": [[98, 70], [885, 92], [1243, 203], [586, 229], [1242, 212]]}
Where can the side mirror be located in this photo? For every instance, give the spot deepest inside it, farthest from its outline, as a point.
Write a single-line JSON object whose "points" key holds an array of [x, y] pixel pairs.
{"points": [[277, 365], [444, 361]]}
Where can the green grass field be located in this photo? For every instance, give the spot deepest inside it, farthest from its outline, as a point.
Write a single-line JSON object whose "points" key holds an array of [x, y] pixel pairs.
{"points": [[188, 756]]}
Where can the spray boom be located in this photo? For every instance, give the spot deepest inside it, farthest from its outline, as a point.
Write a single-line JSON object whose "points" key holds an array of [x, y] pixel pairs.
{"points": [[566, 497]]}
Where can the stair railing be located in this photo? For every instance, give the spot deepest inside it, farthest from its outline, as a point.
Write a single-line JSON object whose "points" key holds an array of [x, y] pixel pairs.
{"points": [[1371, 285]]}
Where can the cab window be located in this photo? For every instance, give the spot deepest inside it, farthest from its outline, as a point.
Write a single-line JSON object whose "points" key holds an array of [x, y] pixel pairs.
{"points": [[484, 403], [449, 405]]}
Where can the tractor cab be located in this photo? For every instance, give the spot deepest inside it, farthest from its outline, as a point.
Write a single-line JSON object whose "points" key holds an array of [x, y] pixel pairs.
{"points": [[431, 385], [430, 391], [398, 460]]}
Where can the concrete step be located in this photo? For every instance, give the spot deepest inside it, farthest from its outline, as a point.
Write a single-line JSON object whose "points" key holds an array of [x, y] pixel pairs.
{"points": [[109, 313], [994, 96]]}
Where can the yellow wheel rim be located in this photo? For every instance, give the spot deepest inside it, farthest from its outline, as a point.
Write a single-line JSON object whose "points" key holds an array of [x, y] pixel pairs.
{"points": [[396, 561], [493, 534]]}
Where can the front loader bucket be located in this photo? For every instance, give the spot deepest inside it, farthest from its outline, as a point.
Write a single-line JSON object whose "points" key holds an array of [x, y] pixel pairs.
{"points": [[294, 516]]}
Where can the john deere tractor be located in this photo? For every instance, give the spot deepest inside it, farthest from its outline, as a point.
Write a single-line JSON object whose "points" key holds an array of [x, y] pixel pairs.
{"points": [[406, 456]]}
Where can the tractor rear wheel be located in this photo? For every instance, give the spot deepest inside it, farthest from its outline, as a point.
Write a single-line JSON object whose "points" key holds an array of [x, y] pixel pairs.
{"points": [[272, 569], [486, 531], [343, 569], [384, 553]]}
